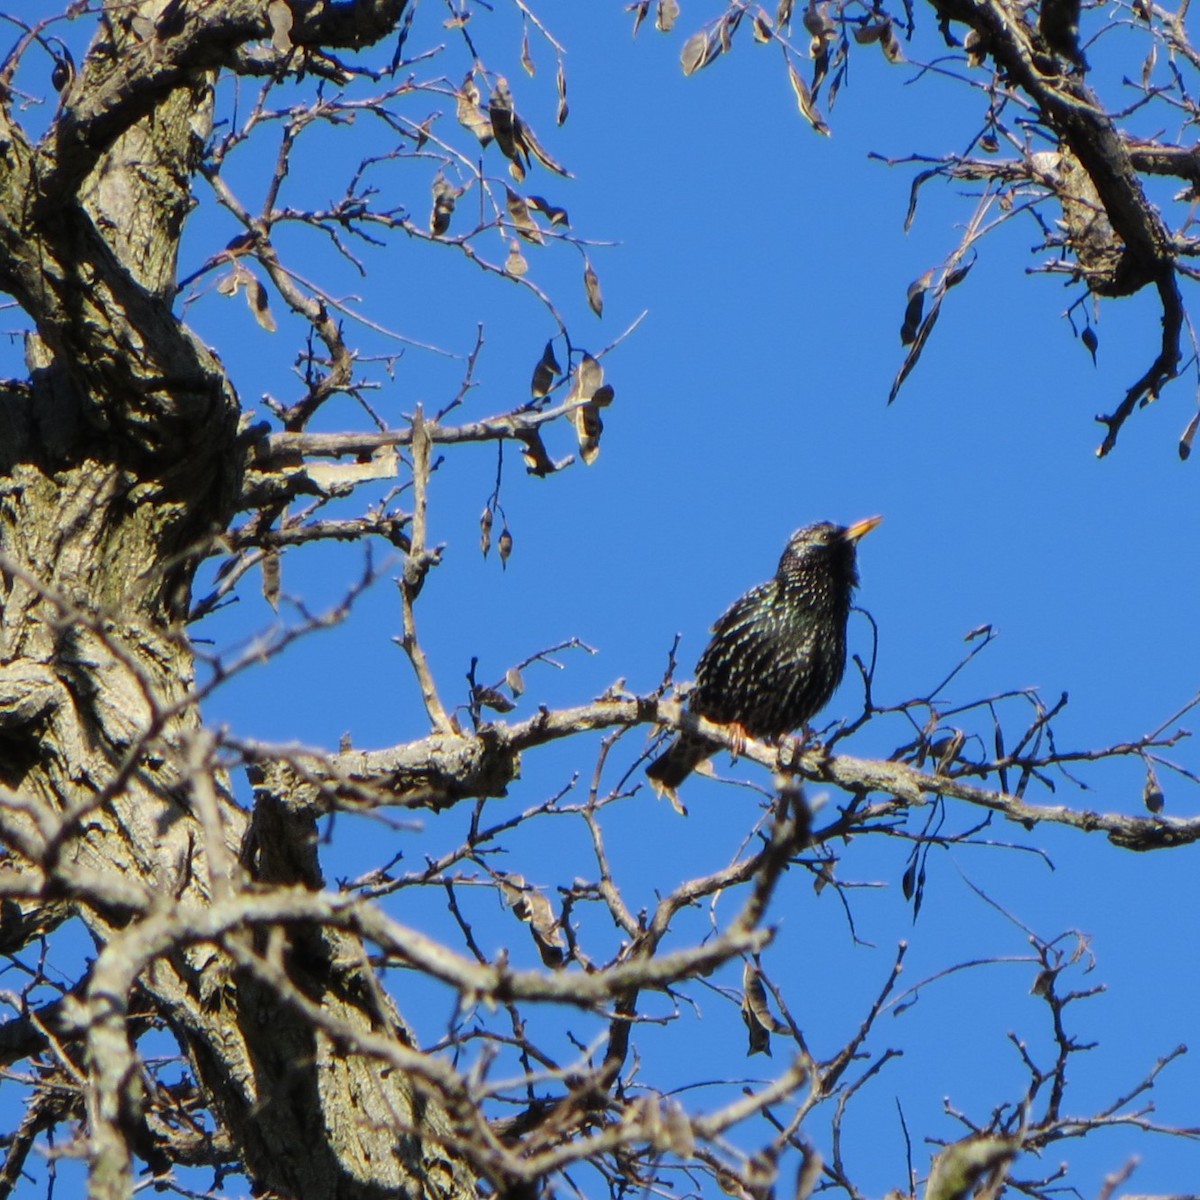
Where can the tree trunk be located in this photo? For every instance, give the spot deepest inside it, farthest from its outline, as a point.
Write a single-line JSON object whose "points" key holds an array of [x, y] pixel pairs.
{"points": [[118, 462]]}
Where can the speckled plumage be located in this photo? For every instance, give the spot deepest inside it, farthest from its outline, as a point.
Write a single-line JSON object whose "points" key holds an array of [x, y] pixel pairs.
{"points": [[778, 653]]}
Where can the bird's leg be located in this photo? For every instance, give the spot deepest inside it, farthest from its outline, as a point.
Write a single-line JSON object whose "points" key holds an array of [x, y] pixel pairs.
{"points": [[737, 739]]}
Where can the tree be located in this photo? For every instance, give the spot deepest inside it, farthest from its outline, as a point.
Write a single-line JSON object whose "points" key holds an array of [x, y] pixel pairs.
{"points": [[140, 496]]}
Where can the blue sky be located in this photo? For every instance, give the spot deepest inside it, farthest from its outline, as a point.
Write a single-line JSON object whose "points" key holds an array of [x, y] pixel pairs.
{"points": [[771, 264]]}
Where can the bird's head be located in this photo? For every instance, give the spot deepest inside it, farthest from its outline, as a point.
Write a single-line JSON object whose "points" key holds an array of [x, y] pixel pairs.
{"points": [[822, 557]]}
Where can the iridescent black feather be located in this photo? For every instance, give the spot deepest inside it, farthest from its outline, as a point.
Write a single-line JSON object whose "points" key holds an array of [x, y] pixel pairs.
{"points": [[777, 655]]}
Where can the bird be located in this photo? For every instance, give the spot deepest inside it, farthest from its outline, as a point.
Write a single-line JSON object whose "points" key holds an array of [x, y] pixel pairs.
{"points": [[778, 653]]}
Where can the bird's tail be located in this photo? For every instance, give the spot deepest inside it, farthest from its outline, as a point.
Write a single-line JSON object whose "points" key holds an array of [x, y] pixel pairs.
{"points": [[677, 762]]}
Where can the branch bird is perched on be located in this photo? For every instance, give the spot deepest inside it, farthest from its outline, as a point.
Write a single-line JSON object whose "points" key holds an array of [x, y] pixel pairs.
{"points": [[778, 653]]}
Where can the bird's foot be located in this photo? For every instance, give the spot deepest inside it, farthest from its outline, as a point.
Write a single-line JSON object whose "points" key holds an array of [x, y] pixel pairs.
{"points": [[737, 740]]}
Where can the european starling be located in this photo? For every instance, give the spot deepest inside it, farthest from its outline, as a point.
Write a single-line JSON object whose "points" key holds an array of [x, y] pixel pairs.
{"points": [[778, 653]]}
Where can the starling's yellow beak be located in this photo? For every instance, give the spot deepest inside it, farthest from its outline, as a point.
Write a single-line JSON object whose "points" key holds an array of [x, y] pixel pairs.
{"points": [[861, 528]]}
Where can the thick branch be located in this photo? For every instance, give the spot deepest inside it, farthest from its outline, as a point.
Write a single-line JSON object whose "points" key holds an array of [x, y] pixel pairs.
{"points": [[121, 83], [424, 773], [1181, 162], [1084, 127]]}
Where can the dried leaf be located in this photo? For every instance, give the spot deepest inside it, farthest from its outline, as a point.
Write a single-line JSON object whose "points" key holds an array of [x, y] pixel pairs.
{"points": [[486, 697], [439, 218], [256, 296], [676, 1134], [485, 530], [864, 35], [603, 395], [955, 277], [890, 45], [820, 54], [524, 223], [760, 1021], [816, 21], [588, 428], [1091, 341], [270, 578], [639, 10], [1043, 984], [402, 38], [959, 1167], [914, 308], [547, 934], [531, 905], [280, 17], [552, 213], [646, 1115], [591, 285], [1152, 794], [444, 196], [585, 385], [727, 27], [975, 47], [503, 118], [240, 242], [1189, 434], [920, 178], [544, 373], [504, 546], [526, 57], [666, 14], [515, 263], [916, 330], [469, 111], [537, 461], [228, 285], [783, 14], [64, 71], [763, 32], [527, 141], [560, 83], [695, 52], [805, 102], [516, 684], [947, 751], [589, 375], [914, 352]]}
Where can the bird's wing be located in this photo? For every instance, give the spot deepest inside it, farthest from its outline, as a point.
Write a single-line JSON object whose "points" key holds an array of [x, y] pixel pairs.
{"points": [[740, 612], [740, 645]]}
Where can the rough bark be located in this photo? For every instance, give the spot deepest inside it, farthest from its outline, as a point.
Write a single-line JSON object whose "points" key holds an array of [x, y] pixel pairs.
{"points": [[118, 460]]}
